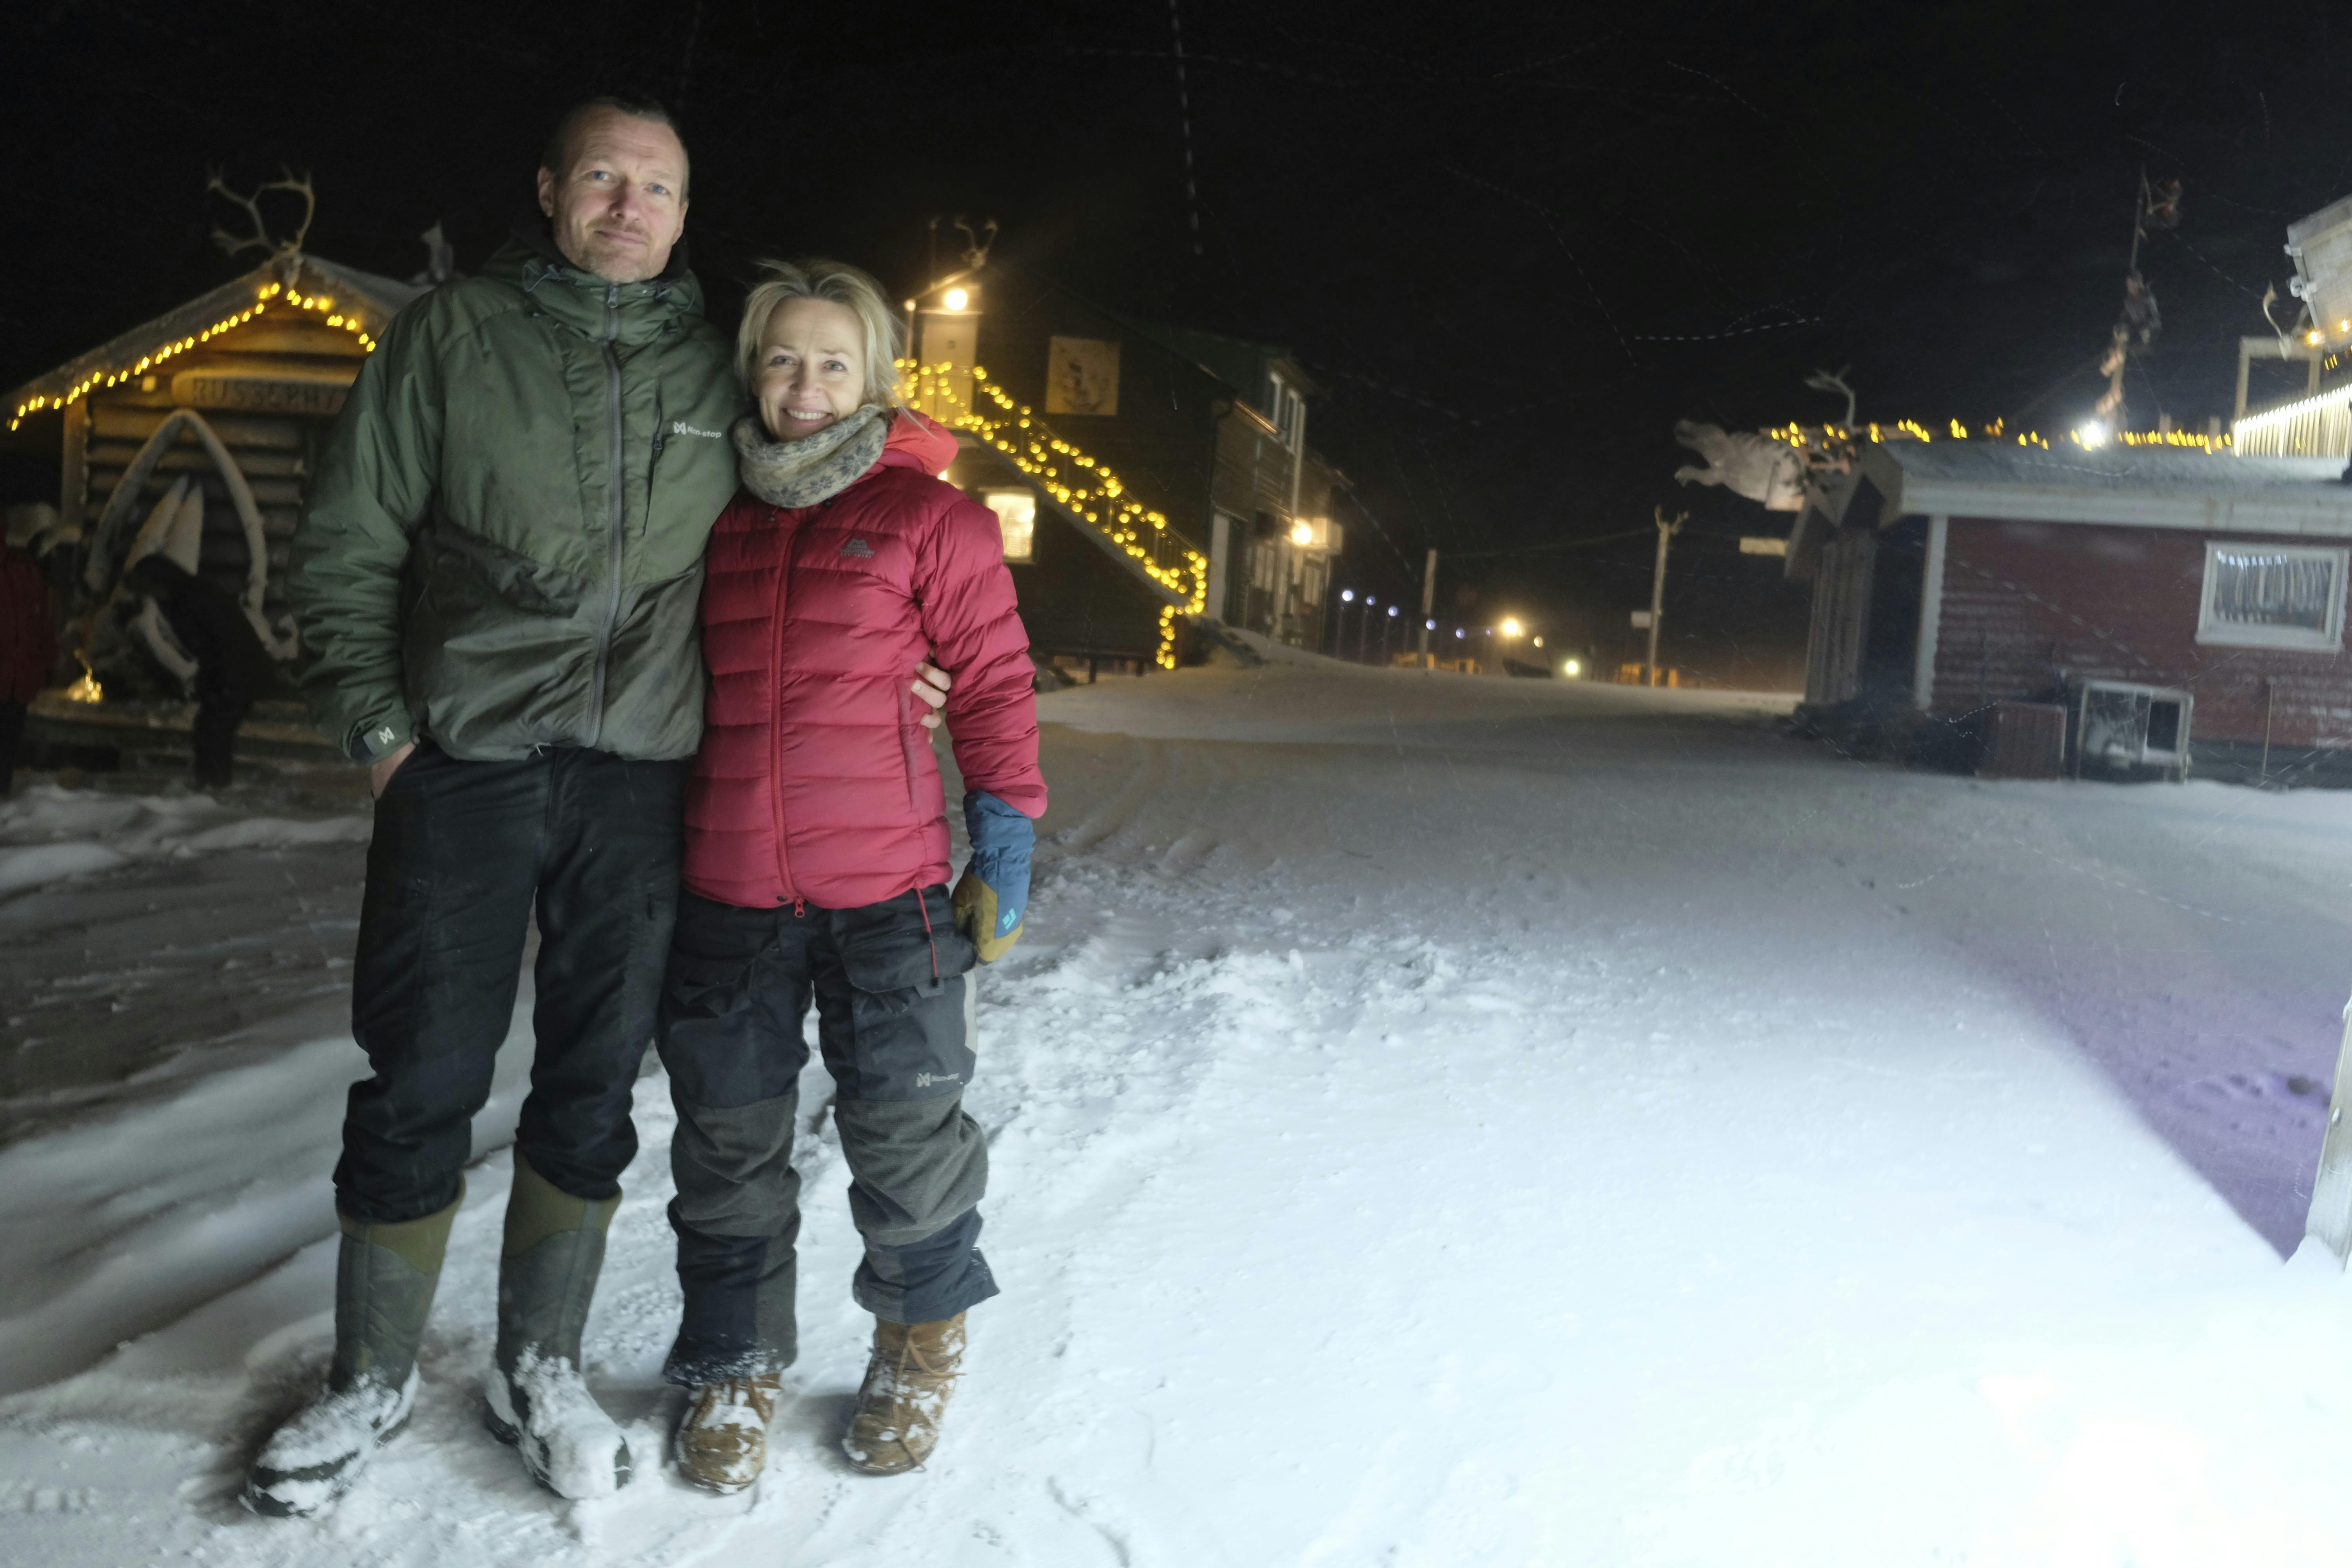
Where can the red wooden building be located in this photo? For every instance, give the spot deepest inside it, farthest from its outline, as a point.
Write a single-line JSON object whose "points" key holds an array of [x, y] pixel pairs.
{"points": [[2162, 608]]}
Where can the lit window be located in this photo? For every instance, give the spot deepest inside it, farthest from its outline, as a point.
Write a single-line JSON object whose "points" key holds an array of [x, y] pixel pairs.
{"points": [[2273, 596], [1016, 514]]}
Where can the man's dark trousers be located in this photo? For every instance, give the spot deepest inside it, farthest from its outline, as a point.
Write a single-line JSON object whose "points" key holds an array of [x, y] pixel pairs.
{"points": [[462, 850], [893, 991]]}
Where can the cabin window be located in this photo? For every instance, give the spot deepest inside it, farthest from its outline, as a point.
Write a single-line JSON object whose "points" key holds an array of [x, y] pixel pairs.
{"points": [[1016, 515], [1288, 410], [2273, 596]]}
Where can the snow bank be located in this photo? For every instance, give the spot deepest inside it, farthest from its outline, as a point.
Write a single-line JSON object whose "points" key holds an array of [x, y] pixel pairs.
{"points": [[49, 833]]}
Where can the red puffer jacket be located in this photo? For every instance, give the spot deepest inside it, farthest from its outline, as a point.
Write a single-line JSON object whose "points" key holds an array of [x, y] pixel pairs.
{"points": [[816, 782]]}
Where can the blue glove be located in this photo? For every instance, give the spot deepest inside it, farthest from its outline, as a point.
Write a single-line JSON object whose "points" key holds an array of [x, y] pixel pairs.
{"points": [[993, 893]]}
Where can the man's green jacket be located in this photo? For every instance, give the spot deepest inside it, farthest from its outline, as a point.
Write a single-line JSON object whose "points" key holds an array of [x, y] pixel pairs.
{"points": [[503, 550]]}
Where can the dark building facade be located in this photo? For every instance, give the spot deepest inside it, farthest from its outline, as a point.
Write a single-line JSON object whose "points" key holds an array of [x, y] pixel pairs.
{"points": [[1145, 475]]}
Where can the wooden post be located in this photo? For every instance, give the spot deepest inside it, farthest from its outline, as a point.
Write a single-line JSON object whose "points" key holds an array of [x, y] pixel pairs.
{"points": [[2269, 702], [73, 486], [1428, 601], [2330, 1217], [1666, 531]]}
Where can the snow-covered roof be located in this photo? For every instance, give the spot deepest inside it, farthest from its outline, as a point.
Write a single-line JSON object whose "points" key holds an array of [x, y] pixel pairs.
{"points": [[2129, 487], [363, 301], [2150, 486]]}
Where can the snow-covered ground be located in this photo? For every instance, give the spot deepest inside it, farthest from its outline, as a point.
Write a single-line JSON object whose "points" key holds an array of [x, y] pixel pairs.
{"points": [[1434, 1121]]}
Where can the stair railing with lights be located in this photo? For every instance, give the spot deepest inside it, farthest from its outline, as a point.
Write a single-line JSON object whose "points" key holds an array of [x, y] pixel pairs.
{"points": [[1081, 487]]}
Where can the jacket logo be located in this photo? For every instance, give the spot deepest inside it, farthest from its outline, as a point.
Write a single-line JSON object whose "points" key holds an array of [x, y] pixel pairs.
{"points": [[857, 547], [925, 1080], [680, 427]]}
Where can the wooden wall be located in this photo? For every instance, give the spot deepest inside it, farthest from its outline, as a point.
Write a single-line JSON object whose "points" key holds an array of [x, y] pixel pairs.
{"points": [[277, 448], [2029, 607], [1075, 599], [1841, 612]]}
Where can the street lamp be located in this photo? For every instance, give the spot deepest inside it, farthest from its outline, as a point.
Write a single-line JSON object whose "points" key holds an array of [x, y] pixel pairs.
{"points": [[1386, 621], [1511, 626]]}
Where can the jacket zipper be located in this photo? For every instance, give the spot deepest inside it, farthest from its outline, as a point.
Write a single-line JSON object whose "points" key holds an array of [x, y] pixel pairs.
{"points": [[775, 728], [908, 730], [614, 471]]}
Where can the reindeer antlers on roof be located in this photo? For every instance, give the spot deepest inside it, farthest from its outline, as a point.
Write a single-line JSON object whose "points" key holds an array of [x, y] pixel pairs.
{"points": [[976, 246], [259, 239], [1833, 381]]}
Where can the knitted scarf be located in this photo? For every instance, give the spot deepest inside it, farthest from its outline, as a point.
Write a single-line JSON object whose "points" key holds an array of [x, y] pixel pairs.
{"points": [[815, 467]]}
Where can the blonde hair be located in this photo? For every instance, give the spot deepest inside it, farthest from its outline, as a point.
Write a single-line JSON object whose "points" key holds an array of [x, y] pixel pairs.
{"points": [[841, 284]]}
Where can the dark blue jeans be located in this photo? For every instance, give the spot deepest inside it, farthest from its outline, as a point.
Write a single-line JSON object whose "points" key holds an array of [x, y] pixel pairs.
{"points": [[463, 854]]}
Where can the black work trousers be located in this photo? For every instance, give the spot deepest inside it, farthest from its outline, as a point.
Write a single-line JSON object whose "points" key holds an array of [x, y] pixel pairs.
{"points": [[893, 991], [462, 852]]}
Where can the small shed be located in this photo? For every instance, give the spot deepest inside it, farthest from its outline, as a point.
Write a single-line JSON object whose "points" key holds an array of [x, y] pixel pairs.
{"points": [[198, 431], [2198, 598]]}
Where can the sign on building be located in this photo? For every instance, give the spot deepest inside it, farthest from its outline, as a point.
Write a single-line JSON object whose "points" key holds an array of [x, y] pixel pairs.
{"points": [[1082, 376]]}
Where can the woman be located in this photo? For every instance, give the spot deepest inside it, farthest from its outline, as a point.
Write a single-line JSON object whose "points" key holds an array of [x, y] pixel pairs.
{"points": [[816, 855]]}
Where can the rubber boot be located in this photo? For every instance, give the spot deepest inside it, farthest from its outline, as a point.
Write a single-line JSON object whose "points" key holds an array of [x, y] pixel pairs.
{"points": [[722, 1439], [384, 1277], [909, 1377], [537, 1399]]}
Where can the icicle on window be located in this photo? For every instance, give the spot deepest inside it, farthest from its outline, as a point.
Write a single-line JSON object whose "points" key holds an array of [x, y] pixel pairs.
{"points": [[2276, 596]]}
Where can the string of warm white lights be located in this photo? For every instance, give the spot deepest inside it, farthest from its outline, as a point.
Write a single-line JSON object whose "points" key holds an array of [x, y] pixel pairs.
{"points": [[1800, 436], [1088, 490], [268, 295]]}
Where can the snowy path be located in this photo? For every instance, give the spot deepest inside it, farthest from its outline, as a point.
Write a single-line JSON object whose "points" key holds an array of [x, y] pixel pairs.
{"points": [[1455, 1122]]}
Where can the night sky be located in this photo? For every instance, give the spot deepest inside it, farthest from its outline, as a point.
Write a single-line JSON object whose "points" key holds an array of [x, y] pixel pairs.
{"points": [[1515, 244]]}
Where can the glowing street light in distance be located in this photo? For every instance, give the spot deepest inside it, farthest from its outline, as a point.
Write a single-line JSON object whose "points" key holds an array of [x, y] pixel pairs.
{"points": [[1572, 667], [1347, 595], [1511, 626], [956, 299]]}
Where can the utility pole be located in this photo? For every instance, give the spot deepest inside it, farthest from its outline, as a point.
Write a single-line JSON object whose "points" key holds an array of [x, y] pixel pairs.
{"points": [[1666, 531], [1428, 601]]}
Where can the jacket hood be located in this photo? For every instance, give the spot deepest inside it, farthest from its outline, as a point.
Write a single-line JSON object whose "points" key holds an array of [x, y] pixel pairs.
{"points": [[918, 442], [632, 312]]}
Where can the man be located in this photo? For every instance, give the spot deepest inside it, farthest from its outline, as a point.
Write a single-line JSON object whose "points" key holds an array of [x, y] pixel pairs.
{"points": [[497, 579], [28, 637], [231, 663]]}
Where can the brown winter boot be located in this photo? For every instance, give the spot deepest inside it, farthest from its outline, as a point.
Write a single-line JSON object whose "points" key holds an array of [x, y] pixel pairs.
{"points": [[722, 1439], [908, 1378]]}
